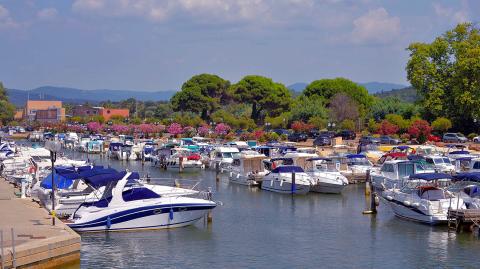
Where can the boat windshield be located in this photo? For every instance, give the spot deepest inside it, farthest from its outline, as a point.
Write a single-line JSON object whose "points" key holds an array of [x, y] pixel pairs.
{"points": [[227, 154]]}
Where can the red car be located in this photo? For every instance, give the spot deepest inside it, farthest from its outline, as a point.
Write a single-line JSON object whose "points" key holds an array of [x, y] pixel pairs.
{"points": [[434, 138]]}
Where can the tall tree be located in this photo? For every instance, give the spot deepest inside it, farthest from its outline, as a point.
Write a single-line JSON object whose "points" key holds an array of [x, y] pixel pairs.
{"points": [[328, 88], [201, 94], [446, 75], [7, 110], [342, 107], [265, 96]]}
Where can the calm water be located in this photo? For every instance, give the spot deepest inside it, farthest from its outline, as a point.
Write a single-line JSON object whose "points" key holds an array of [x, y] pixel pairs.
{"points": [[259, 229]]}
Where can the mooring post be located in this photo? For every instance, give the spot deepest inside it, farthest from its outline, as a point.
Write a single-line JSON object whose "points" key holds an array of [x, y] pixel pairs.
{"points": [[217, 172], [368, 186], [14, 263], [1, 247], [180, 164], [293, 183]]}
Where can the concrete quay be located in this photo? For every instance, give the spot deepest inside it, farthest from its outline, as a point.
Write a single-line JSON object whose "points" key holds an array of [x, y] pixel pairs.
{"points": [[36, 243]]}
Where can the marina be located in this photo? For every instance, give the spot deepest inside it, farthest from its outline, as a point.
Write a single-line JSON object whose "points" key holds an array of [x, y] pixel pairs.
{"points": [[249, 225]]}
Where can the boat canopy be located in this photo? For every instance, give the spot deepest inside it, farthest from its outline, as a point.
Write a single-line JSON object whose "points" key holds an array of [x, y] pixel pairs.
{"points": [[288, 169], [460, 152], [403, 147], [280, 159], [100, 180], [415, 157], [465, 158], [472, 176], [355, 156], [65, 176], [430, 176]]}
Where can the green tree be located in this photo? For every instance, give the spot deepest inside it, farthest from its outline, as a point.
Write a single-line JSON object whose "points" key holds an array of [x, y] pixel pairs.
{"points": [[348, 125], [399, 121], [441, 124], [7, 110], [202, 94], [445, 74], [265, 96], [304, 108], [328, 88]]}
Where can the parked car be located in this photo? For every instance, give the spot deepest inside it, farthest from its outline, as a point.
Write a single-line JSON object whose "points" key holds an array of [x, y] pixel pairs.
{"points": [[313, 133], [369, 140], [385, 139], [322, 140], [330, 134], [434, 138], [297, 137], [282, 131], [476, 139], [454, 138], [347, 135]]}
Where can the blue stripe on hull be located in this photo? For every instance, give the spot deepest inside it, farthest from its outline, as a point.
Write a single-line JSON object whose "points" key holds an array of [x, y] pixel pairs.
{"points": [[103, 228], [140, 213]]}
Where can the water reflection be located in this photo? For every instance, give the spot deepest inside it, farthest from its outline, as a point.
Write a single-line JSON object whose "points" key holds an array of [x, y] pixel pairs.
{"points": [[259, 229]]}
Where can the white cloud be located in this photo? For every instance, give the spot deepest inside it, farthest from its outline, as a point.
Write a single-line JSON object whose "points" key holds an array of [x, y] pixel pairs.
{"points": [[6, 21], [205, 11], [456, 16], [375, 27], [47, 14]]}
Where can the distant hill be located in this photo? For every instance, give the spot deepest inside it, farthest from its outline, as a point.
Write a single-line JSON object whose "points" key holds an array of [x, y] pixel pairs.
{"points": [[408, 94], [374, 86], [298, 87], [73, 95]]}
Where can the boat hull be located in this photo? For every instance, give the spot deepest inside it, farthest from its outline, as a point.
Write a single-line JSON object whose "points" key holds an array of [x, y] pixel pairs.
{"points": [[323, 187], [284, 187], [152, 217], [413, 214]]}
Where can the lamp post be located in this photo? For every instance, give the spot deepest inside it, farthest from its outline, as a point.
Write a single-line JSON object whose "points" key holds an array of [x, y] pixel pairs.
{"points": [[53, 147]]}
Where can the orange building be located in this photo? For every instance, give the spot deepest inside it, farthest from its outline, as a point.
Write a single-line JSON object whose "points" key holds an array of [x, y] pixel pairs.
{"points": [[106, 113], [44, 111]]}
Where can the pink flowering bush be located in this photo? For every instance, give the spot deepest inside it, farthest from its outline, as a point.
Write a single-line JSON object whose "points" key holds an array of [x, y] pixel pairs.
{"points": [[203, 130], [94, 127], [222, 129], [120, 129], [175, 129]]}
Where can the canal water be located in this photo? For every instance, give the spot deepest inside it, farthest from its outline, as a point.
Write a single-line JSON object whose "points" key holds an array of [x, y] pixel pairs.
{"points": [[259, 229]]}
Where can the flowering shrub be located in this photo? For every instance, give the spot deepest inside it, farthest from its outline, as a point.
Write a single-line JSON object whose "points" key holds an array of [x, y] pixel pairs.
{"points": [[175, 129], [300, 126], [387, 128], [203, 130], [420, 129], [120, 129], [222, 129], [94, 127]]}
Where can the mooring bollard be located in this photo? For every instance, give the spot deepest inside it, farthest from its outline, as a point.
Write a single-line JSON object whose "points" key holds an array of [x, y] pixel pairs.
{"points": [[217, 172], [293, 183], [368, 184], [180, 164]]}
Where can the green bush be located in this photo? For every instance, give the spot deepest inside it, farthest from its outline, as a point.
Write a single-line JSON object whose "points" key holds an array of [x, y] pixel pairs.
{"points": [[472, 135], [441, 124]]}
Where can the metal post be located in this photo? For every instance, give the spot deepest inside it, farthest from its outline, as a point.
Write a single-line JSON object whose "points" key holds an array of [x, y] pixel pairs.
{"points": [[180, 164], [14, 263], [293, 183], [217, 171], [53, 156], [1, 247]]}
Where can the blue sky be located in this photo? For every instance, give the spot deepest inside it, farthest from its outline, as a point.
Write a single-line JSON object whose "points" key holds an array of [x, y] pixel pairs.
{"points": [[157, 45]]}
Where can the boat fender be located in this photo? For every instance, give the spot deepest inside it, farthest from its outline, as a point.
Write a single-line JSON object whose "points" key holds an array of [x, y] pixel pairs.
{"points": [[416, 204], [170, 214], [407, 203], [281, 183], [231, 174], [109, 222], [389, 198], [238, 175], [377, 200]]}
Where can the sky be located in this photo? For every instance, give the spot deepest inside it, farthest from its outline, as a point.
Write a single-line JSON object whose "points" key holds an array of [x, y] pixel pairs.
{"points": [[156, 45]]}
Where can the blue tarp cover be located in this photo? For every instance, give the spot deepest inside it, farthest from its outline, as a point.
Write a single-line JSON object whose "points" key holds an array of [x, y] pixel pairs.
{"points": [[288, 169], [472, 176], [353, 156]]}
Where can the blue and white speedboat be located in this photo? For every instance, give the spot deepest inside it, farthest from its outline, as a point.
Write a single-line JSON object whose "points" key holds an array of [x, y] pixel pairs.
{"points": [[125, 208], [280, 180]]}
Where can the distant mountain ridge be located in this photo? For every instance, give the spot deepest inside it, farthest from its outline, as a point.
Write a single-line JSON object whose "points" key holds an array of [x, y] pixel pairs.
{"points": [[408, 94], [74, 95], [372, 87]]}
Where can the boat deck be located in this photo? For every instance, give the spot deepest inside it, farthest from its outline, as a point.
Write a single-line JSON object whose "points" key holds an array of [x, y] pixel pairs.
{"points": [[36, 243]]}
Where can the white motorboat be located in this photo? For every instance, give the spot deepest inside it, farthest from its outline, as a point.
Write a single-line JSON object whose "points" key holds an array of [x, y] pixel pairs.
{"points": [[423, 198], [325, 177], [137, 208], [393, 173], [440, 163], [289, 179], [222, 156], [467, 187], [247, 168], [173, 158]]}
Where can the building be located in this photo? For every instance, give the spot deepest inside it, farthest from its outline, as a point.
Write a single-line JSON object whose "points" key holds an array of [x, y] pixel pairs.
{"points": [[44, 111], [106, 113]]}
